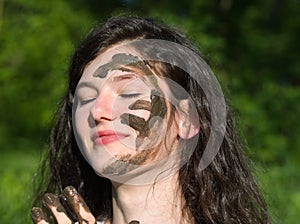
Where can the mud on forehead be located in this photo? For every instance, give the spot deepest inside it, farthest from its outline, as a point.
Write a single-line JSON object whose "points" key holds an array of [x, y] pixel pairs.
{"points": [[127, 62], [123, 62]]}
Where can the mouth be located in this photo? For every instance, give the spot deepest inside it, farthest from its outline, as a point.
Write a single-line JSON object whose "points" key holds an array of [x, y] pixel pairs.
{"points": [[107, 136]]}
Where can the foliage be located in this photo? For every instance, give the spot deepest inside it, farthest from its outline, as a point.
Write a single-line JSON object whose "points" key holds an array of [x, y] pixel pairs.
{"points": [[17, 171], [251, 45]]}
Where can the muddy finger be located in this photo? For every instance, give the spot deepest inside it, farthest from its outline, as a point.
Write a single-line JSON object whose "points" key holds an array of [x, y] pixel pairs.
{"points": [[38, 216], [79, 206], [58, 211]]}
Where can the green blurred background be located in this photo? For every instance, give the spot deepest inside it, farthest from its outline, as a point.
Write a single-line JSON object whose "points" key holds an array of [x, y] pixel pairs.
{"points": [[252, 46]]}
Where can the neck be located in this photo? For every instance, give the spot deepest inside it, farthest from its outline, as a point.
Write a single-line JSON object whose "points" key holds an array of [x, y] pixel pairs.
{"points": [[161, 202]]}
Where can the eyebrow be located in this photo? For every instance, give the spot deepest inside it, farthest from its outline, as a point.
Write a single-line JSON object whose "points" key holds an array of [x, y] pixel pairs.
{"points": [[119, 61]]}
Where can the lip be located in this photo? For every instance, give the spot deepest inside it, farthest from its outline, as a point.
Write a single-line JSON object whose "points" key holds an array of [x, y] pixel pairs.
{"points": [[107, 136]]}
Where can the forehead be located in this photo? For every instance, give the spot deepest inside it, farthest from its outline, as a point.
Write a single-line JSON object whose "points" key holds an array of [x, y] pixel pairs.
{"points": [[127, 54], [105, 58]]}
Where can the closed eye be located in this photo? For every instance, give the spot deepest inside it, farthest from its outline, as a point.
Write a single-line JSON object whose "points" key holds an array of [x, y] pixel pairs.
{"points": [[86, 101], [130, 95]]}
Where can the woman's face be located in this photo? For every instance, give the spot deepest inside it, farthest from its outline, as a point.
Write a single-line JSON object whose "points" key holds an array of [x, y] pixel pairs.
{"points": [[120, 115]]}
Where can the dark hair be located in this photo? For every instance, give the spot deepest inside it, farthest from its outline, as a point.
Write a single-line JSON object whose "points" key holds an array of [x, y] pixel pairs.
{"points": [[224, 192]]}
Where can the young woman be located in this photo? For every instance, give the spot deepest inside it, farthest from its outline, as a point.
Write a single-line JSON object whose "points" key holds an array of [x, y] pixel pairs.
{"points": [[144, 135]]}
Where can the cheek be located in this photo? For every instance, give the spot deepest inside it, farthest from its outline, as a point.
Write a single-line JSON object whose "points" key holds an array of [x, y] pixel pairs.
{"points": [[81, 121], [121, 106], [81, 132]]}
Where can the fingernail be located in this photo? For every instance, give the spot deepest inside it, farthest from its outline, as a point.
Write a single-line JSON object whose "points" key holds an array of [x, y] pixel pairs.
{"points": [[70, 191], [50, 199], [37, 214]]}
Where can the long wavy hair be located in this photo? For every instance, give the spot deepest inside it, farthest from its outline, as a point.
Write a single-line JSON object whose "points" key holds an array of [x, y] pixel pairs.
{"points": [[224, 192]]}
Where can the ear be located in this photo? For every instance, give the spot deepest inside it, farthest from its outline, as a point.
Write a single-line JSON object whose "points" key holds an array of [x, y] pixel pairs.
{"points": [[187, 119]]}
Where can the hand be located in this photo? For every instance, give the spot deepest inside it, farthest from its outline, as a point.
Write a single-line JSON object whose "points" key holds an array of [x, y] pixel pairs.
{"points": [[52, 202]]}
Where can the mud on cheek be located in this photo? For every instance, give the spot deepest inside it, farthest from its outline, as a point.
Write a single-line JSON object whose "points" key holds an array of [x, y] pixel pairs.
{"points": [[147, 129], [148, 135]]}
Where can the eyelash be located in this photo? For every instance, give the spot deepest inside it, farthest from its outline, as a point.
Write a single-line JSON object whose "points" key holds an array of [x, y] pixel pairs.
{"points": [[125, 95], [130, 95], [83, 102]]}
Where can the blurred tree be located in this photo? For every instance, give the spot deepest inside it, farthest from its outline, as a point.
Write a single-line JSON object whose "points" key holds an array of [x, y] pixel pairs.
{"points": [[251, 45], [36, 41]]}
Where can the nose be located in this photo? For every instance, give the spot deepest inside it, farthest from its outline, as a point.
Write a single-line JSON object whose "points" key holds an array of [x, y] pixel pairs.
{"points": [[102, 109]]}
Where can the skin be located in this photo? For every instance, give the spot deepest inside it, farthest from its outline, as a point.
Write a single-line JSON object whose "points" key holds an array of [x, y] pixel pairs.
{"points": [[143, 116], [38, 216], [123, 151], [84, 216], [157, 106], [53, 203], [145, 127], [160, 204]]}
